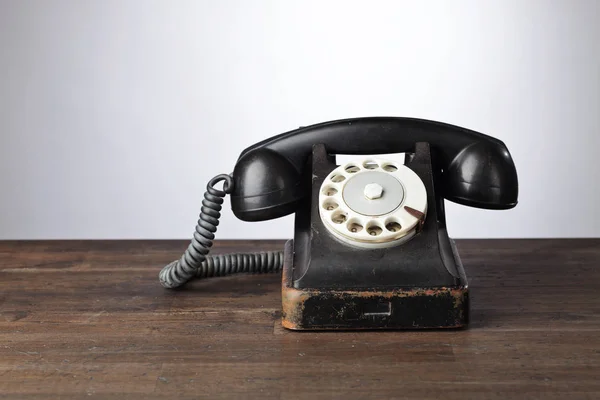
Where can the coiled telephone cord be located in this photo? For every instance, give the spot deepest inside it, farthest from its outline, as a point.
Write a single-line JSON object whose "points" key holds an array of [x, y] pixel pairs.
{"points": [[196, 263]]}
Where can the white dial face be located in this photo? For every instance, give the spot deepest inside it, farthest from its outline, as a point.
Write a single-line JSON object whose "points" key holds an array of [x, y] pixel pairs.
{"points": [[373, 203]]}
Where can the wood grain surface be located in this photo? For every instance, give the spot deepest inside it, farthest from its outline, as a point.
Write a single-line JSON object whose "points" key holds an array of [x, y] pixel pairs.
{"points": [[88, 319]]}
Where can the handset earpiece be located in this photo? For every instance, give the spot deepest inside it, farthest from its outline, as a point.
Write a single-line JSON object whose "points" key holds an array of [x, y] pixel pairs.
{"points": [[482, 176], [267, 186]]}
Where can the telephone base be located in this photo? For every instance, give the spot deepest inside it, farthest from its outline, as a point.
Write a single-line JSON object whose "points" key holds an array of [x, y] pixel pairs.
{"points": [[400, 308]]}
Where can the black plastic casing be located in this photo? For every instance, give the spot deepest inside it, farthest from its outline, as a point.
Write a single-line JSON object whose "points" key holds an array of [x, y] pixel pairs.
{"points": [[321, 260], [328, 284]]}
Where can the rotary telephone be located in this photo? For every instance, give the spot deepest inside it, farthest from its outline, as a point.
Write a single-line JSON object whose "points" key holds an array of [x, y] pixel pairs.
{"points": [[370, 247]]}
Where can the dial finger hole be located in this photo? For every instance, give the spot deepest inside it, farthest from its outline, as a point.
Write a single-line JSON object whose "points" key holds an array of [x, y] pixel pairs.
{"points": [[338, 178], [339, 217], [330, 205], [329, 191], [389, 168], [370, 164], [351, 169], [374, 229], [354, 226], [393, 225]]}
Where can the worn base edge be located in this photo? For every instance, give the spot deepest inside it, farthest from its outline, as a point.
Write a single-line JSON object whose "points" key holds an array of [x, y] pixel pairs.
{"points": [[399, 309]]}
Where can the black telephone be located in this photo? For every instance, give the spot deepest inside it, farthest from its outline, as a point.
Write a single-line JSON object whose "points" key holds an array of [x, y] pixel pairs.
{"points": [[370, 247]]}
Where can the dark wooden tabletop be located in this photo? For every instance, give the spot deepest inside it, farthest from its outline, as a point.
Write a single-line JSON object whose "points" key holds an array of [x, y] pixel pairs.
{"points": [[83, 319]]}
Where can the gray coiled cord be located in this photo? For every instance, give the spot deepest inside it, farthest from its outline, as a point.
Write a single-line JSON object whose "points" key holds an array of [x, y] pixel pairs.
{"points": [[226, 264], [195, 262]]}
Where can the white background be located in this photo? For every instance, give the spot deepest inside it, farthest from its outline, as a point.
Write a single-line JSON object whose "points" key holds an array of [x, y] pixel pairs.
{"points": [[114, 114]]}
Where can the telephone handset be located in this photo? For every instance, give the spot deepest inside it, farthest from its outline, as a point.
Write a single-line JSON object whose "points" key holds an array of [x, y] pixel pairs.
{"points": [[370, 247]]}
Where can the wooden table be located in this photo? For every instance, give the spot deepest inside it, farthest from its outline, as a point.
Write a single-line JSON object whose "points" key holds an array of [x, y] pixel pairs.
{"points": [[83, 319]]}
